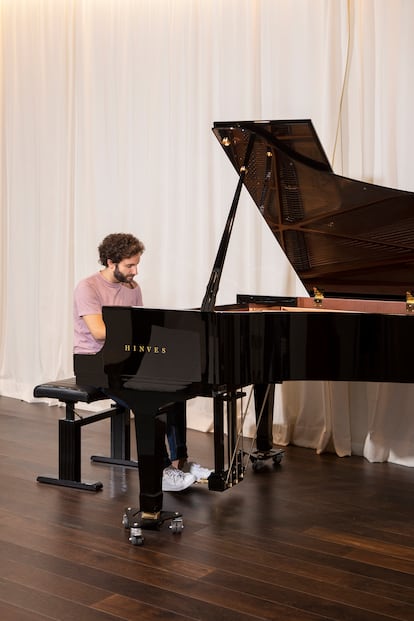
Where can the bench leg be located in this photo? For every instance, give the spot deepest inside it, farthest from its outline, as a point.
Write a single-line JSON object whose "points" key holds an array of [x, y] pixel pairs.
{"points": [[120, 440], [70, 455]]}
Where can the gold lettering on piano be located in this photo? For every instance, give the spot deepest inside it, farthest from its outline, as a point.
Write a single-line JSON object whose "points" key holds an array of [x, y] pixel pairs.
{"points": [[144, 349]]}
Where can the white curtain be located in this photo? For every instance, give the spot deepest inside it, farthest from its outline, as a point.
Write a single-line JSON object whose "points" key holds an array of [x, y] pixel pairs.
{"points": [[106, 108]]}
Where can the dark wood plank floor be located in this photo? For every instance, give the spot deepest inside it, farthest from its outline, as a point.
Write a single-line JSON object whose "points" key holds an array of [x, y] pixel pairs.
{"points": [[317, 538]]}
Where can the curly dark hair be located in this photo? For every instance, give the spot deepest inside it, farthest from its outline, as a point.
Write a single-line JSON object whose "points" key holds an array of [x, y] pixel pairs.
{"points": [[119, 246]]}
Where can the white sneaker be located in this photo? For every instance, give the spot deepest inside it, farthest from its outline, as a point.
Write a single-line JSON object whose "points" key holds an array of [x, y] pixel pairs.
{"points": [[199, 472], [174, 480]]}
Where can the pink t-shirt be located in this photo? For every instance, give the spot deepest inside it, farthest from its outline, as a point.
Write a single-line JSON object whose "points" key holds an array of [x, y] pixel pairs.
{"points": [[91, 294]]}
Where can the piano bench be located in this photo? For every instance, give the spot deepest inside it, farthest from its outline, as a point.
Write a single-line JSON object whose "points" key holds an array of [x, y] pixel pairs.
{"points": [[67, 391]]}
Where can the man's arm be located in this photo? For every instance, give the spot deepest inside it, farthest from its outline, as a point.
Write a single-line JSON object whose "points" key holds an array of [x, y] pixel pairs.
{"points": [[96, 326]]}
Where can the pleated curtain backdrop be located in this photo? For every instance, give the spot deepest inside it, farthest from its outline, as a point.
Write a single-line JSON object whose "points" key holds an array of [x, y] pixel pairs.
{"points": [[106, 109]]}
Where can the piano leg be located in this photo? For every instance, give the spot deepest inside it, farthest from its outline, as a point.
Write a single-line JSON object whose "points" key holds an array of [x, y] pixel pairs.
{"points": [[264, 399], [150, 437]]}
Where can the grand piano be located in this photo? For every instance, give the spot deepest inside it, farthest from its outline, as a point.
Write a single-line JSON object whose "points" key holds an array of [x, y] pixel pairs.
{"points": [[352, 245]]}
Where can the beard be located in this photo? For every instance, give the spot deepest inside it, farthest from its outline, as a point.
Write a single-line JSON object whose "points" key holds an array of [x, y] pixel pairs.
{"points": [[121, 277]]}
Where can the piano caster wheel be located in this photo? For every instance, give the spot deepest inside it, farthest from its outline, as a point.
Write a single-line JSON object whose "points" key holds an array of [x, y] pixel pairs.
{"points": [[258, 458], [176, 525], [258, 465], [137, 541], [277, 459], [137, 521], [135, 536]]}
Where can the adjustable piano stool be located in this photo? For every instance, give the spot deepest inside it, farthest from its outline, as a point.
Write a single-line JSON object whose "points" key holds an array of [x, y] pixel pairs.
{"points": [[69, 392]]}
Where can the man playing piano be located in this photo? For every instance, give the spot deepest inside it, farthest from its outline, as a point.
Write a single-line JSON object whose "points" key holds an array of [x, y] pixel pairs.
{"points": [[114, 285]]}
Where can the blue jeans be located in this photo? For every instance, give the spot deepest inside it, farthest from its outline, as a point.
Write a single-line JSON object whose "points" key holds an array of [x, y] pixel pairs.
{"points": [[176, 431]]}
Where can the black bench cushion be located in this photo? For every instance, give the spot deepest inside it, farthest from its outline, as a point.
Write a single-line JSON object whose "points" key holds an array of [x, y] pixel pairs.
{"points": [[68, 390]]}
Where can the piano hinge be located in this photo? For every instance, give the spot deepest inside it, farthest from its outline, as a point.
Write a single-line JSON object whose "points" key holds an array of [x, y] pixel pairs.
{"points": [[409, 302], [317, 297]]}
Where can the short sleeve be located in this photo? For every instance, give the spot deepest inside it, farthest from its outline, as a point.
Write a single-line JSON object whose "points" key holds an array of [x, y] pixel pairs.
{"points": [[87, 300]]}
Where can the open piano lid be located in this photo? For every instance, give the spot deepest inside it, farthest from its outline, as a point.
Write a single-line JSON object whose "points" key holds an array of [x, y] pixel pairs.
{"points": [[344, 237]]}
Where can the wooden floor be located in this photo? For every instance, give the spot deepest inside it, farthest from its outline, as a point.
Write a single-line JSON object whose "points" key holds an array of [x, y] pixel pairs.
{"points": [[318, 537]]}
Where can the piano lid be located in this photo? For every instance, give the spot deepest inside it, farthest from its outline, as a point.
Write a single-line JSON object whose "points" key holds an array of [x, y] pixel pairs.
{"points": [[342, 236]]}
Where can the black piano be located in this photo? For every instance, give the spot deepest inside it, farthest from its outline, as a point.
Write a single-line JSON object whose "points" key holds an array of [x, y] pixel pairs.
{"points": [[351, 243]]}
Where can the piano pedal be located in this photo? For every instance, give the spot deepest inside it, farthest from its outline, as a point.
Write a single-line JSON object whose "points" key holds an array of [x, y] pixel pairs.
{"points": [[137, 521], [258, 458], [225, 479]]}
